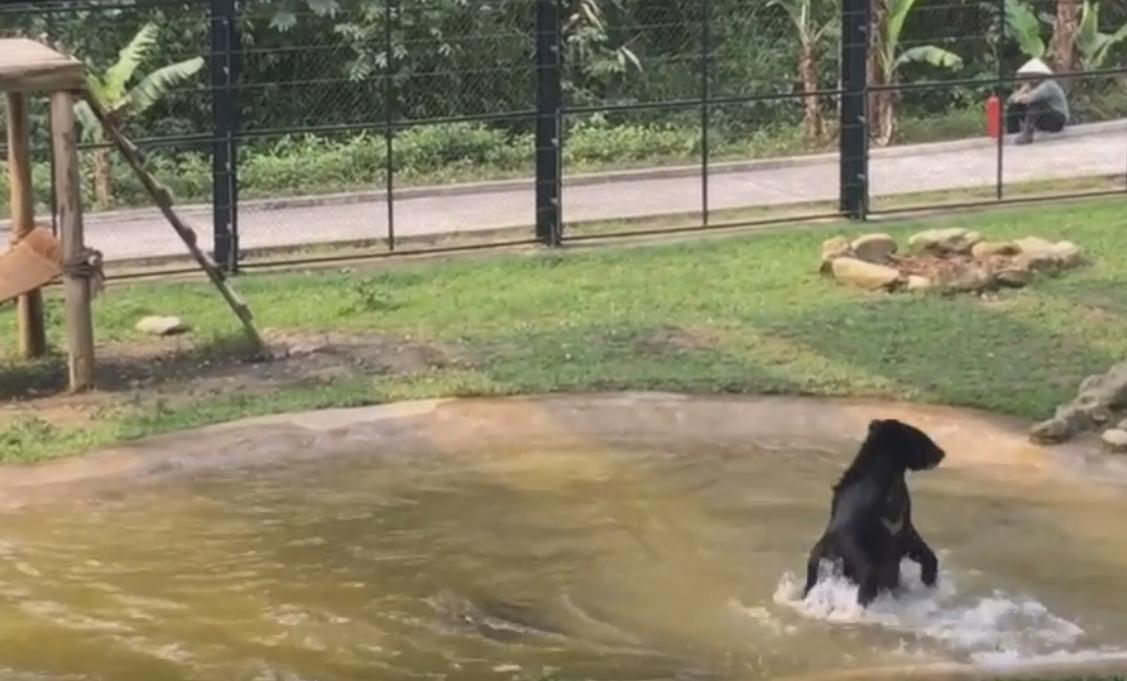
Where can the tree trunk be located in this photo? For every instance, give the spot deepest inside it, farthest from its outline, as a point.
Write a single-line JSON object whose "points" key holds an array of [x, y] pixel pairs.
{"points": [[881, 107], [886, 105], [1064, 37], [103, 178], [808, 69]]}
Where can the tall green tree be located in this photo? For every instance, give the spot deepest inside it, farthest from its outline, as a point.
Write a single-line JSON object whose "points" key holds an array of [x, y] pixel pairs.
{"points": [[122, 102]]}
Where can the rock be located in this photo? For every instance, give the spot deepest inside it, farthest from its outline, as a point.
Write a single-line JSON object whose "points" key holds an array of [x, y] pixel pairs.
{"points": [[1058, 429], [1034, 244], [1014, 277], [971, 278], [952, 240], [985, 250], [864, 274], [919, 283], [1115, 440], [162, 326], [832, 249], [1098, 397], [1068, 254], [874, 248], [1039, 254], [1122, 425], [1107, 390]]}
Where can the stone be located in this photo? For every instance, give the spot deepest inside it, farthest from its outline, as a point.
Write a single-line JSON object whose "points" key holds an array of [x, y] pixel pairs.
{"points": [[864, 275], [1068, 254], [919, 283], [1055, 430], [161, 326], [1039, 254], [971, 278], [874, 248], [940, 241], [985, 250], [1107, 390], [1034, 244], [1122, 425], [1014, 277], [832, 249], [1115, 440], [1098, 397]]}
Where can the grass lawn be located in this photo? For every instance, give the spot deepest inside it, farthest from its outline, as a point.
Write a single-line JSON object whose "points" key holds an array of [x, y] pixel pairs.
{"points": [[740, 314]]}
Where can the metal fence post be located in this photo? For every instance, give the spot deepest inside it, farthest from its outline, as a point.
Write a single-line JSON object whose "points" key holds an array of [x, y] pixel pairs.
{"points": [[854, 130], [549, 122], [224, 63], [389, 119], [705, 101], [1000, 180]]}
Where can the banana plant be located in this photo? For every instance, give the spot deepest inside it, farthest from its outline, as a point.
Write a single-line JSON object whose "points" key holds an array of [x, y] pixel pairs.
{"points": [[1092, 43], [1025, 28], [891, 58], [122, 102], [810, 32]]}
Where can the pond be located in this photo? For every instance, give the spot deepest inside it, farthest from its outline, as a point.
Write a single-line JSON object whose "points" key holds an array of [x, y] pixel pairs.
{"points": [[661, 561]]}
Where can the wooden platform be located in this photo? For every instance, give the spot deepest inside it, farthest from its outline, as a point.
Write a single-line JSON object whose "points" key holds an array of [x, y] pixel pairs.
{"points": [[28, 66], [31, 264]]}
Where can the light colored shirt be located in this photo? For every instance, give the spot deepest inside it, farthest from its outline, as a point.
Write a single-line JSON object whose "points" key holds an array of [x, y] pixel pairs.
{"points": [[1051, 94]]}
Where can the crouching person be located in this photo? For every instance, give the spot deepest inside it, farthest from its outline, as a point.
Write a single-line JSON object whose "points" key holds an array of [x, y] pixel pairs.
{"points": [[1040, 104]]}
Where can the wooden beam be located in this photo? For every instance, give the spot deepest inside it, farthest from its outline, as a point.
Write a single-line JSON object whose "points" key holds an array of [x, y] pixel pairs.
{"points": [[31, 332], [76, 285], [161, 197]]}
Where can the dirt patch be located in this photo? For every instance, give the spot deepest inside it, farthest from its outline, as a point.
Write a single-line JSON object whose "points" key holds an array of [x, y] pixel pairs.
{"points": [[675, 340], [176, 370]]}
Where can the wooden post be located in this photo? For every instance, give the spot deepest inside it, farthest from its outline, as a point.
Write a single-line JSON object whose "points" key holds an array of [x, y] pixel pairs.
{"points": [[76, 286], [29, 309]]}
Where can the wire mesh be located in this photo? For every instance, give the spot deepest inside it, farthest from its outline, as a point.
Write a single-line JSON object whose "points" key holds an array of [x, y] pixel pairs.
{"points": [[396, 125]]}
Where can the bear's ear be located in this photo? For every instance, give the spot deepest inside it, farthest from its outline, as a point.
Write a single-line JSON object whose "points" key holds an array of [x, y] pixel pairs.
{"points": [[875, 425]]}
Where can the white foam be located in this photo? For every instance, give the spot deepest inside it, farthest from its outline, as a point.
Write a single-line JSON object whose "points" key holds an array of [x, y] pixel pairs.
{"points": [[996, 629]]}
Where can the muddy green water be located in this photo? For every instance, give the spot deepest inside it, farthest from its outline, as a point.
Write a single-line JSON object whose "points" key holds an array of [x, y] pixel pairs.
{"points": [[515, 565]]}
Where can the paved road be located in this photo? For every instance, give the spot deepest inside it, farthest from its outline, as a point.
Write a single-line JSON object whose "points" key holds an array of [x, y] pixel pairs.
{"points": [[1082, 151]]}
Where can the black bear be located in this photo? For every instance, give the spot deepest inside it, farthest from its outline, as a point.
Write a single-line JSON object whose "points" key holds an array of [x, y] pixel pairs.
{"points": [[870, 528]]}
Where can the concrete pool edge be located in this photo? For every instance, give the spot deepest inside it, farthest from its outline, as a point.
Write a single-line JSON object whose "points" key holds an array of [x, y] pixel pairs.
{"points": [[226, 444]]}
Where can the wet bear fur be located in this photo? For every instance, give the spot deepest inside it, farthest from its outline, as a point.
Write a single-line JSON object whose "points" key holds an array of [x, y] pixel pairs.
{"points": [[870, 527]]}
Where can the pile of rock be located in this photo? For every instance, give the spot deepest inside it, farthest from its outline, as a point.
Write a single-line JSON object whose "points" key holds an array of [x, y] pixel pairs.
{"points": [[944, 259], [1098, 401]]}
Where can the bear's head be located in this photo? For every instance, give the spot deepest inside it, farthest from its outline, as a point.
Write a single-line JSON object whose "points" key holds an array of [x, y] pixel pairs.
{"points": [[912, 446]]}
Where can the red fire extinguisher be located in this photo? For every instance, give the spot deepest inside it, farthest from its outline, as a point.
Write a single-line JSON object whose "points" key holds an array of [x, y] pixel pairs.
{"points": [[994, 117]]}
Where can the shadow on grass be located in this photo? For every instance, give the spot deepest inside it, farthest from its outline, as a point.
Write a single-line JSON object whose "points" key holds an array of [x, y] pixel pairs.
{"points": [[952, 350]]}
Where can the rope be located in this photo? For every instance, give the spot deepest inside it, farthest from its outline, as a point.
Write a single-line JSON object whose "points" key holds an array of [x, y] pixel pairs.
{"points": [[88, 265]]}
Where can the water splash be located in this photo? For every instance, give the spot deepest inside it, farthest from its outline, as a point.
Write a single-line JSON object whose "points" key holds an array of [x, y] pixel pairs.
{"points": [[994, 629]]}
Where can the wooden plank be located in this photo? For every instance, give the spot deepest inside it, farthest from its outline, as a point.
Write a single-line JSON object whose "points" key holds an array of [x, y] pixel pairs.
{"points": [[35, 261], [76, 287], [28, 66], [31, 332]]}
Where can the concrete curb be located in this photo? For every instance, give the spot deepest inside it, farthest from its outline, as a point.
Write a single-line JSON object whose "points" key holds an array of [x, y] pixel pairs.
{"points": [[585, 179]]}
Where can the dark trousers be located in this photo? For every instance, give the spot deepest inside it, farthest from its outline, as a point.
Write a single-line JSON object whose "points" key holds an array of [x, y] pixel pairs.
{"points": [[1020, 117]]}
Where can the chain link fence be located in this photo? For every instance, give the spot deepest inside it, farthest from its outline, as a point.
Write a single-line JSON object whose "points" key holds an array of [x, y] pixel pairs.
{"points": [[292, 131]]}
